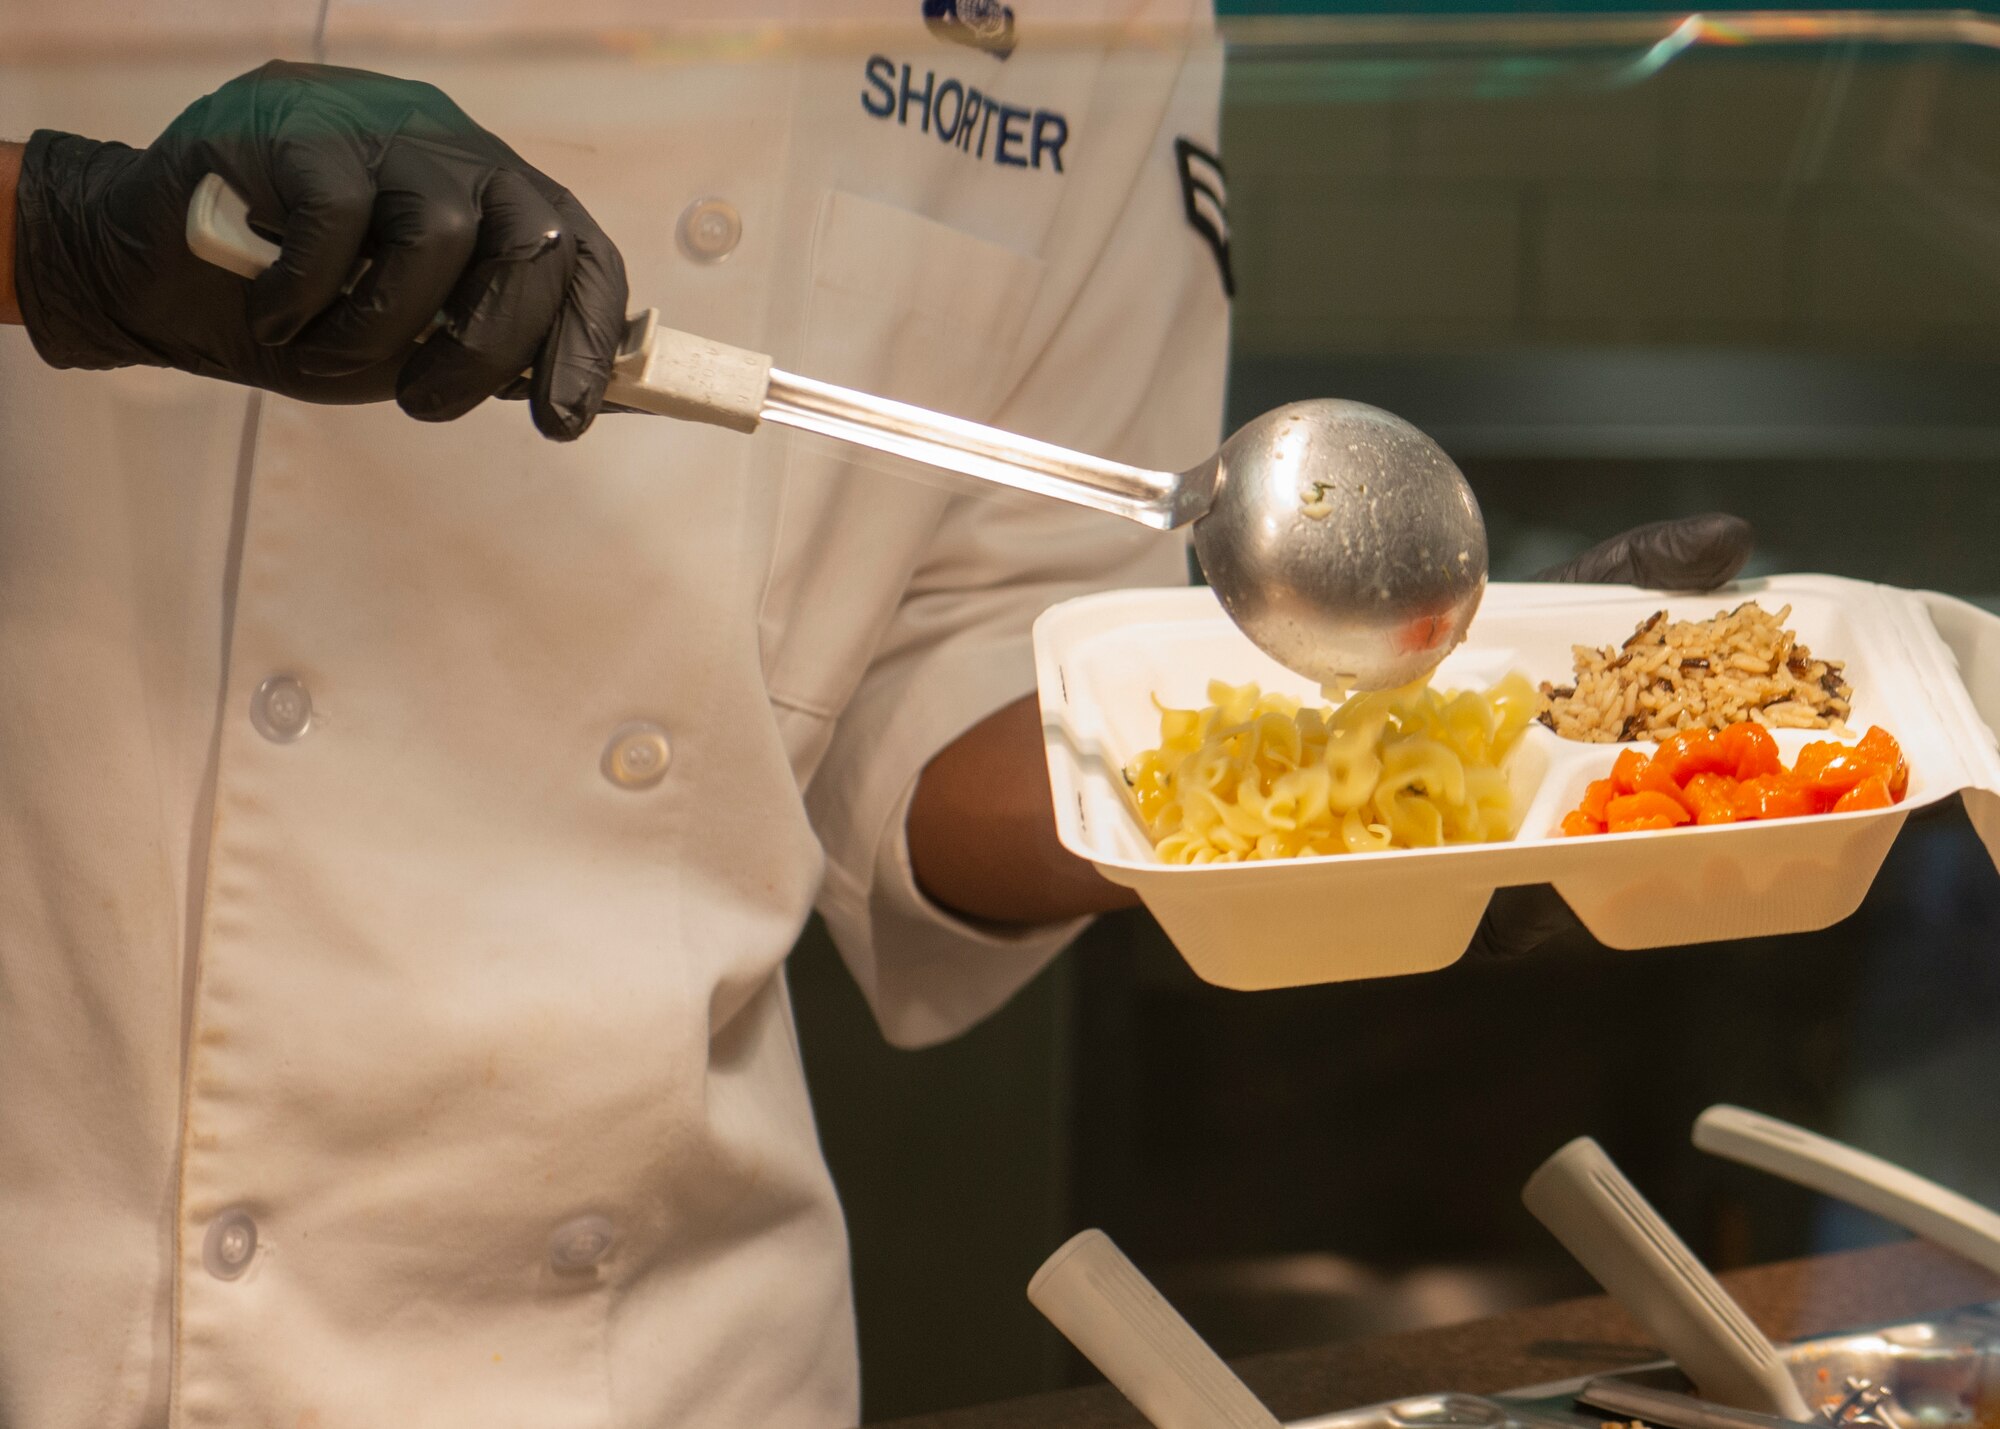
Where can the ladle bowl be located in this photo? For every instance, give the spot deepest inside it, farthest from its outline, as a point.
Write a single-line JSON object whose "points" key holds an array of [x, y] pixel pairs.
{"points": [[1344, 543]]}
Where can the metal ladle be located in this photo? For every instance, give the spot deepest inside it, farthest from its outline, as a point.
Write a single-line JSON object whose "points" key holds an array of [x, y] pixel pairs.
{"points": [[1340, 539]]}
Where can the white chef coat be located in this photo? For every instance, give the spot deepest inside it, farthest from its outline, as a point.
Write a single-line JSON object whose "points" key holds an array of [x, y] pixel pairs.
{"points": [[386, 1039]]}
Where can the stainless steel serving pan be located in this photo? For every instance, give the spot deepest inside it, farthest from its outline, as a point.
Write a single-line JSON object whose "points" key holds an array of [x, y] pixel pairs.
{"points": [[1944, 1372]]}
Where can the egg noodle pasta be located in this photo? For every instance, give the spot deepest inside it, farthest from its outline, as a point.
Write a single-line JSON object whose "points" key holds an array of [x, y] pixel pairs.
{"points": [[1260, 776]]}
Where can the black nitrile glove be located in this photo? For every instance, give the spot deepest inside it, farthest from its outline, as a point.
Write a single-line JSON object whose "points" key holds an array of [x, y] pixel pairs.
{"points": [[1695, 553], [339, 165]]}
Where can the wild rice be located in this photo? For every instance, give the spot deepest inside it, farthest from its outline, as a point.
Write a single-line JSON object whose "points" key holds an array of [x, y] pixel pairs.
{"points": [[1697, 674]]}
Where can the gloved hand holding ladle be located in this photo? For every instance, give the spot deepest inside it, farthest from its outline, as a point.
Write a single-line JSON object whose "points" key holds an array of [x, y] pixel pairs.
{"points": [[1340, 539]]}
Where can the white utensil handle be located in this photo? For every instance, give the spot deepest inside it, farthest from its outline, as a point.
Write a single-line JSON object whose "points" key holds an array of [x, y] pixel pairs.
{"points": [[1107, 1309], [1609, 1227], [1835, 1169], [659, 370], [676, 374], [219, 231]]}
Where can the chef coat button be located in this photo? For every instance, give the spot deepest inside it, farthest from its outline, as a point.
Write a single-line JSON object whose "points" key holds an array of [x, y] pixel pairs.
{"points": [[230, 1243], [281, 709], [580, 1244], [636, 755], [709, 230]]}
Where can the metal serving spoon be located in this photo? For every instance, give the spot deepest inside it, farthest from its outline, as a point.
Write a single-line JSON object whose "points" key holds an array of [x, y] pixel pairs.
{"points": [[1339, 538]]}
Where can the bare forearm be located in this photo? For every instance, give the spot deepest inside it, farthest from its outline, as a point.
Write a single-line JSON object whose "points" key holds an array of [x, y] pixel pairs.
{"points": [[10, 173], [982, 830]]}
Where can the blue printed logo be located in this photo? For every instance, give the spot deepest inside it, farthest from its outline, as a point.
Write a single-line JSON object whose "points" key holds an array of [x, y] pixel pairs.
{"points": [[984, 24]]}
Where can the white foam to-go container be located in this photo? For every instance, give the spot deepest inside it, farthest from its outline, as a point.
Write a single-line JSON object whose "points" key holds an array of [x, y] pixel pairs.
{"points": [[1925, 667]]}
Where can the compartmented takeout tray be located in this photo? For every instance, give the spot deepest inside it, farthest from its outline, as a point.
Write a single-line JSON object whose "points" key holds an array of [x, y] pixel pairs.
{"points": [[1925, 667]]}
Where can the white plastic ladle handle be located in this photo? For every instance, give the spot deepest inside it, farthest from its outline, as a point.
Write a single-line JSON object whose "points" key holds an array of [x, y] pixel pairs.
{"points": [[1107, 1309], [1620, 1239], [1835, 1169], [219, 231], [658, 370]]}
